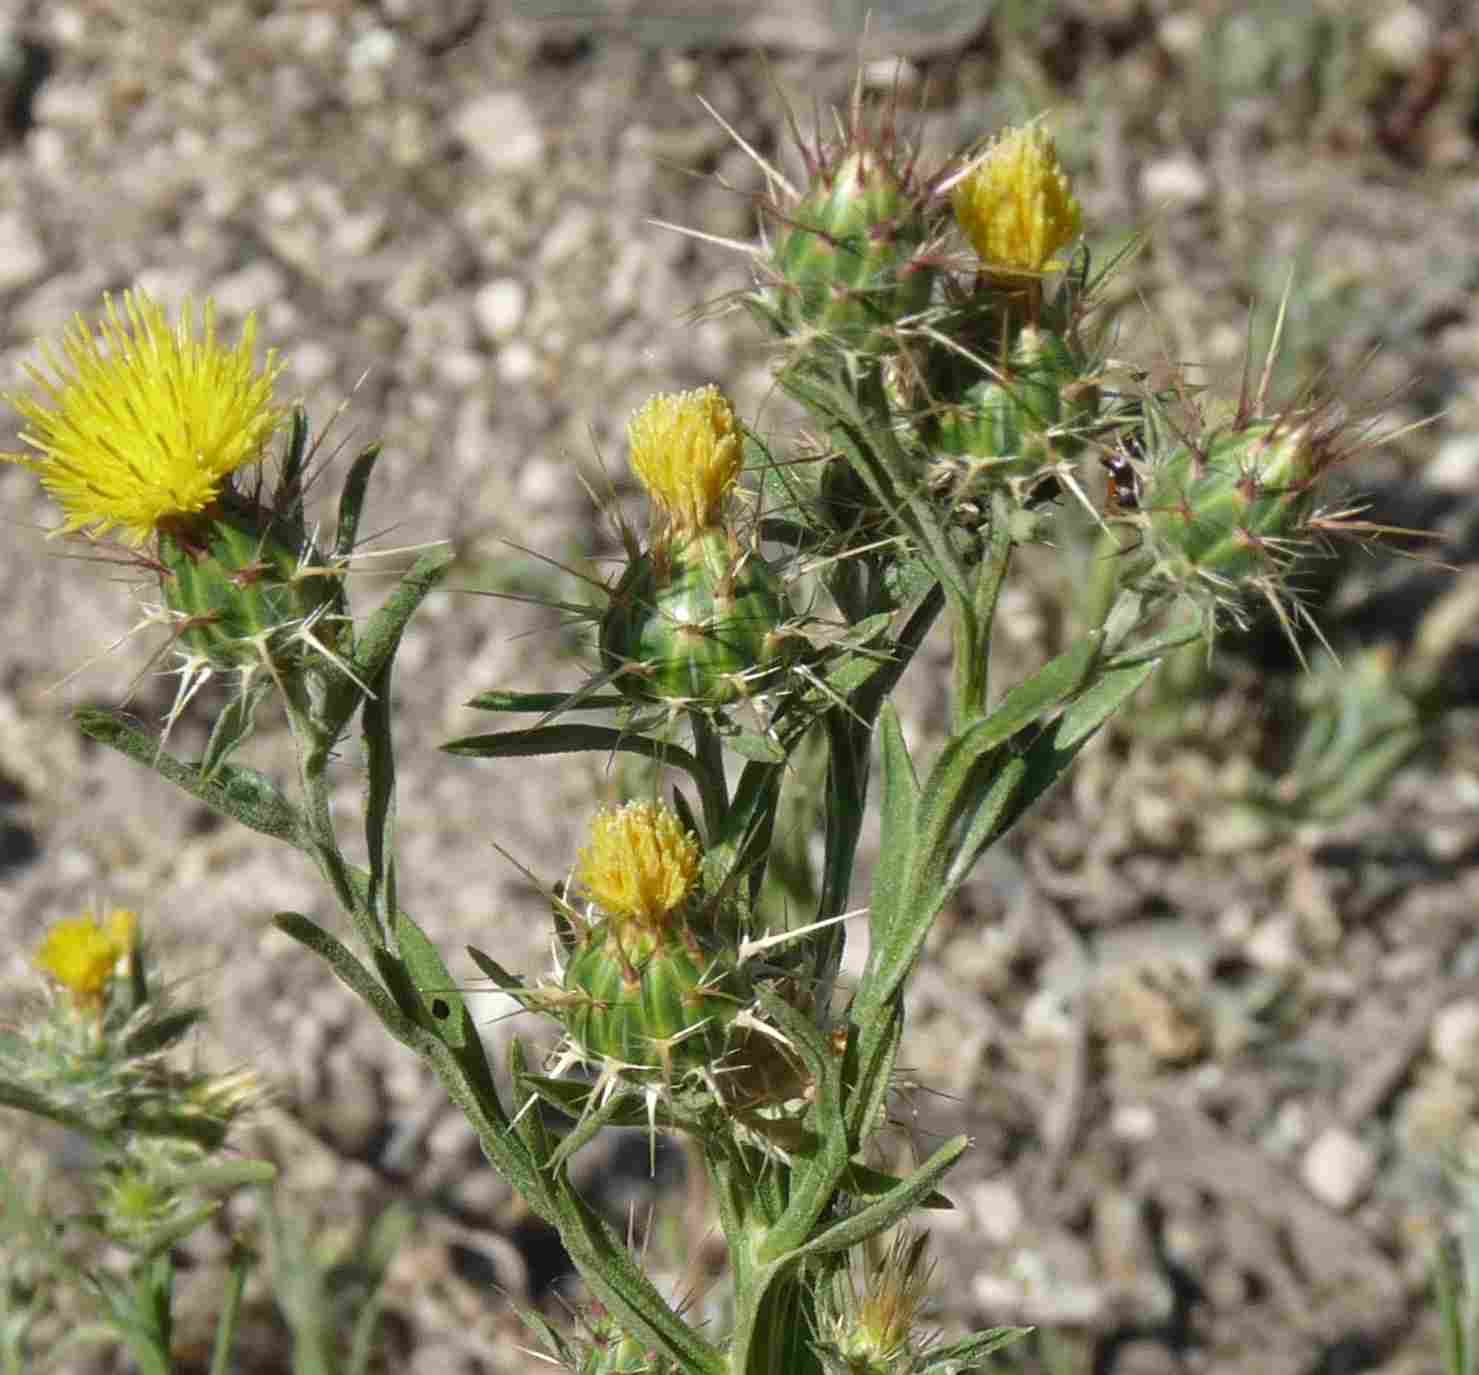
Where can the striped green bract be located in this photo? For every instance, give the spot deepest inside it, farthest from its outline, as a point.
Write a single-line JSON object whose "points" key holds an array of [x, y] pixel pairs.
{"points": [[696, 623]]}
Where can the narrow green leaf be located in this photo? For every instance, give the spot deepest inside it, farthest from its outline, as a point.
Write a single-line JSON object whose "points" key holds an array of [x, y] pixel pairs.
{"points": [[899, 811], [616, 1280], [352, 500], [891, 1208], [527, 1119], [380, 812], [350, 972], [162, 1032], [759, 749], [28, 1100], [1050, 754], [224, 1349], [444, 1012], [613, 1112], [570, 737], [233, 726], [863, 1181], [814, 1178], [509, 983], [970, 1351], [377, 639], [237, 792], [546, 703]]}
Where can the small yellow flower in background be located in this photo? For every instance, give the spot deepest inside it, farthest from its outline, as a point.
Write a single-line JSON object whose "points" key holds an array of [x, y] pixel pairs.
{"points": [[687, 451], [640, 864], [82, 953], [1016, 204], [142, 423]]}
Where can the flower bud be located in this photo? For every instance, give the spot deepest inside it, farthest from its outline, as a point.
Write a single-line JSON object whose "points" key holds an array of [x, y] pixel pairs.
{"points": [[1016, 204], [695, 617], [651, 982]]}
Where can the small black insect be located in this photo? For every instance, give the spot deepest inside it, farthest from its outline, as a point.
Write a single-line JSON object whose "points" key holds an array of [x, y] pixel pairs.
{"points": [[1124, 484]]}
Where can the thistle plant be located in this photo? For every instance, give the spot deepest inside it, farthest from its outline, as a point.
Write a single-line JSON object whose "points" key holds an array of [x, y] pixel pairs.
{"points": [[939, 331], [99, 1058]]}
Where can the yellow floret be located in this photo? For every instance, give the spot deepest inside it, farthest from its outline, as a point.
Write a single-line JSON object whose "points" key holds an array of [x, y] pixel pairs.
{"points": [[82, 953], [687, 451], [1016, 204], [143, 423], [640, 863]]}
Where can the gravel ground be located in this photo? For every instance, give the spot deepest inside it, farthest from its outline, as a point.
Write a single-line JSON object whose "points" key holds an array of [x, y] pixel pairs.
{"points": [[1210, 1064]]}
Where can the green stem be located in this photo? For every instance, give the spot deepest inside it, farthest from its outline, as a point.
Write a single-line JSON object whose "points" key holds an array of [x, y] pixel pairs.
{"points": [[713, 790], [971, 626]]}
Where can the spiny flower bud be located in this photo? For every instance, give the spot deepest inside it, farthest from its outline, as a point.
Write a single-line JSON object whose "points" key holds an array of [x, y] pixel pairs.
{"points": [[1225, 509], [869, 1318], [1016, 205], [655, 982], [696, 617], [851, 256]]}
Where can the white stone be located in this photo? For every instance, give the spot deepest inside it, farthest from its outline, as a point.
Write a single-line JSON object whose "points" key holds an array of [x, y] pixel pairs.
{"points": [[499, 307], [22, 255], [1179, 181], [1403, 38], [1133, 1122], [1273, 944], [1338, 1168], [517, 363], [1455, 1034], [997, 1210], [1455, 466], [501, 132]]}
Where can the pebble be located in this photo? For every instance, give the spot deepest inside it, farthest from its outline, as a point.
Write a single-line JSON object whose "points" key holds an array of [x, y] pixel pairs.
{"points": [[499, 307], [1178, 182], [997, 1210], [22, 256], [501, 131], [1454, 1038], [1338, 1168], [1403, 39]]}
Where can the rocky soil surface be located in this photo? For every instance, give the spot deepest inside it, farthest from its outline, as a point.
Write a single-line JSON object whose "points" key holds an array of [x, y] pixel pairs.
{"points": [[1211, 1063]]}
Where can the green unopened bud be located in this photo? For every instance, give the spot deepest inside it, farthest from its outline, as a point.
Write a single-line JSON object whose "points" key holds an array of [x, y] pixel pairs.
{"points": [[1031, 416], [1232, 509]]}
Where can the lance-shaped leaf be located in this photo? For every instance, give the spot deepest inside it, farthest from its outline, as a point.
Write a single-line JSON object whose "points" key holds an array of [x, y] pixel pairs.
{"points": [[240, 793]]}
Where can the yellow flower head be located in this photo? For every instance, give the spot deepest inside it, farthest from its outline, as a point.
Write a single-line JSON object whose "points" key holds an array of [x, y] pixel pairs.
{"points": [[686, 449], [82, 953], [640, 864], [143, 422], [1016, 204]]}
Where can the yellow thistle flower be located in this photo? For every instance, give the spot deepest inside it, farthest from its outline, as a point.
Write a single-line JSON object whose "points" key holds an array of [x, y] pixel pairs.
{"points": [[640, 864], [143, 423], [82, 953], [1016, 204], [686, 449]]}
